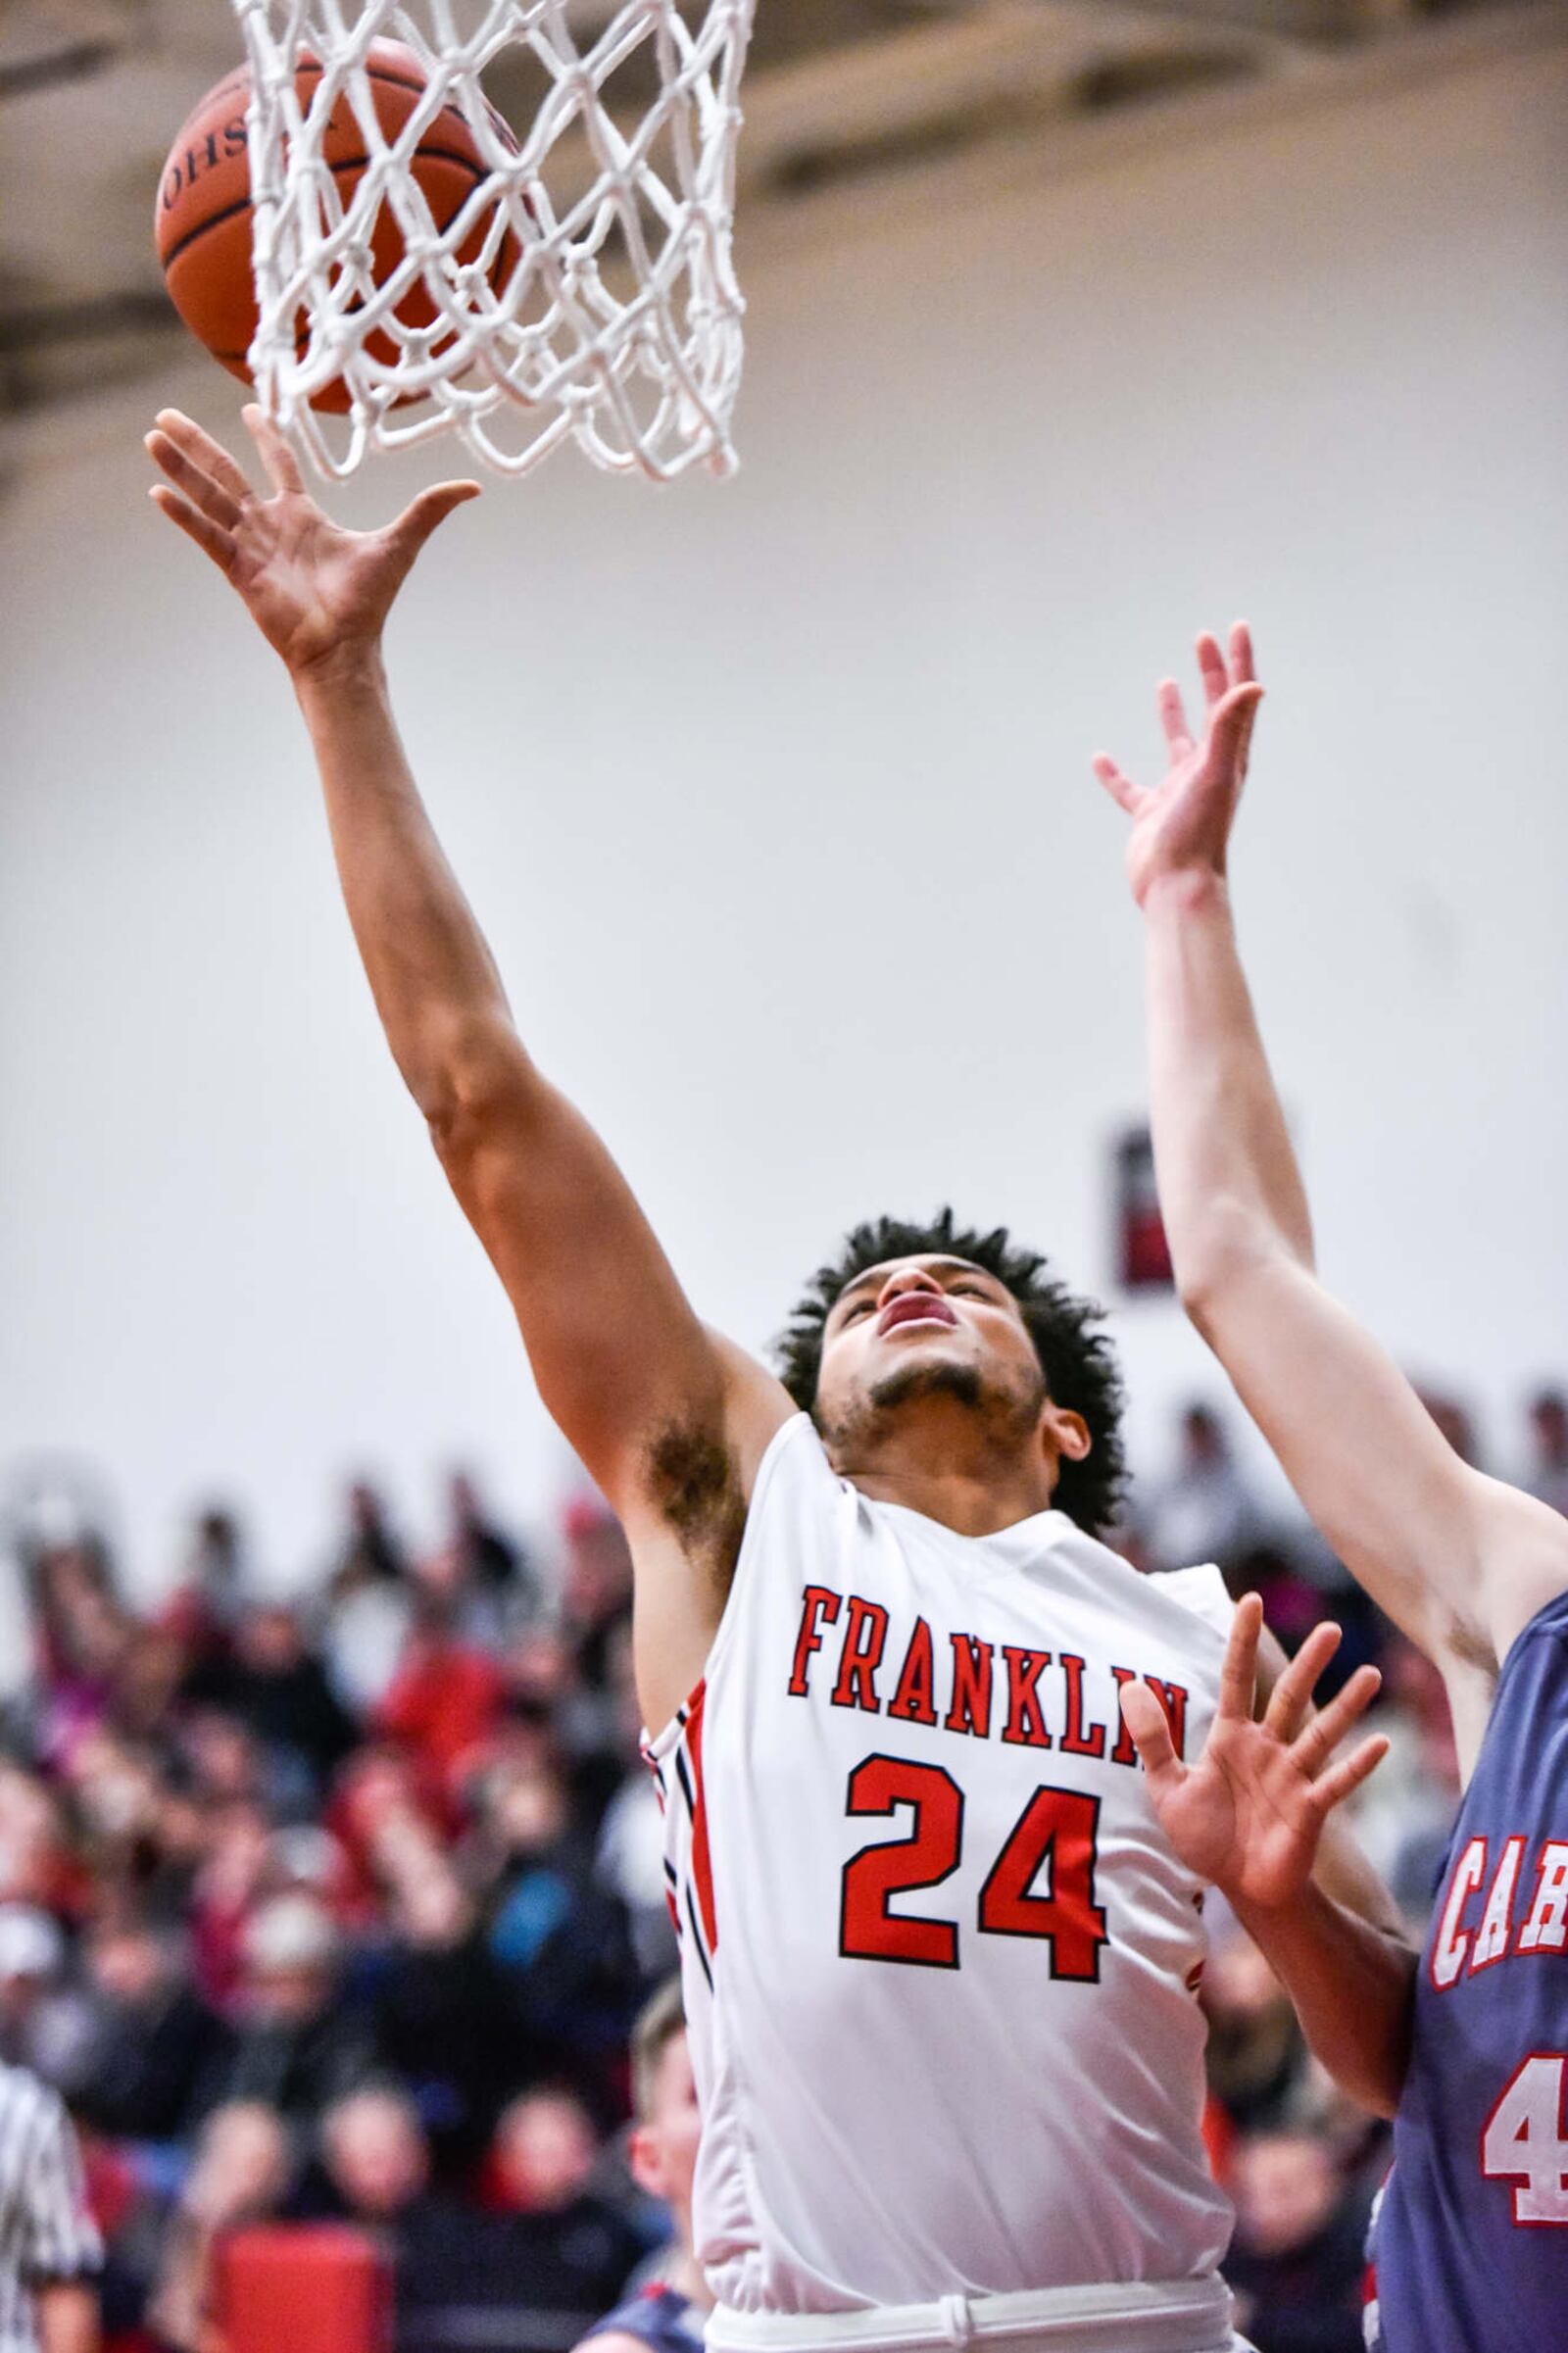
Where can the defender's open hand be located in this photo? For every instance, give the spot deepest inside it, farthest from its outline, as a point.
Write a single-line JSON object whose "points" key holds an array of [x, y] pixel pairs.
{"points": [[313, 589], [1184, 824], [1248, 1814]]}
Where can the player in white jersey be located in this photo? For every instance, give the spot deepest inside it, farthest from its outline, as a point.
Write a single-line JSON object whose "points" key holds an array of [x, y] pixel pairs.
{"points": [[906, 1751], [940, 1951]]}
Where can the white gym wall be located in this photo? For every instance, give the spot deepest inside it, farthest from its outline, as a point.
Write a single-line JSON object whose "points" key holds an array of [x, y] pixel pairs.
{"points": [[774, 799]]}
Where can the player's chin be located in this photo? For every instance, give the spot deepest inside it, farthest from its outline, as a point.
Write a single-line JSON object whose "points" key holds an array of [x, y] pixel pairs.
{"points": [[934, 1366]]}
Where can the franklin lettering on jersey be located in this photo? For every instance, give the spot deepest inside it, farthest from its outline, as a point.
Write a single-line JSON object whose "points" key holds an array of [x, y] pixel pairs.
{"points": [[940, 1960], [954, 1687]]}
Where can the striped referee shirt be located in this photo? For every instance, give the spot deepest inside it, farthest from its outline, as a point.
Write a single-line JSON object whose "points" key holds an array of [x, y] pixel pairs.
{"points": [[46, 2232]]}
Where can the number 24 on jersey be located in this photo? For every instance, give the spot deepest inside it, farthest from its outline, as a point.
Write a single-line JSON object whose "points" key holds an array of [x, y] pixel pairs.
{"points": [[1053, 1837]]}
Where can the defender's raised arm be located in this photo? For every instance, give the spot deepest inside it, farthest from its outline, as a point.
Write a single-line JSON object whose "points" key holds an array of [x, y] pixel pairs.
{"points": [[1459, 1560], [669, 1419]]}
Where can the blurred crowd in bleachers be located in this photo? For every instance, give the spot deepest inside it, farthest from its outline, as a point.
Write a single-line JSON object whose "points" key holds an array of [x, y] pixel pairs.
{"points": [[342, 1907]]}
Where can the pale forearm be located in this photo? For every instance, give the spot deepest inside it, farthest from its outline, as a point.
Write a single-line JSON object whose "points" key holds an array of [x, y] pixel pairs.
{"points": [[435, 984], [1353, 1985], [66, 2314], [1229, 1184]]}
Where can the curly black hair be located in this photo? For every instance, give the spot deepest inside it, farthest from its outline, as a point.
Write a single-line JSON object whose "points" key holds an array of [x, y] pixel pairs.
{"points": [[1078, 1363]]}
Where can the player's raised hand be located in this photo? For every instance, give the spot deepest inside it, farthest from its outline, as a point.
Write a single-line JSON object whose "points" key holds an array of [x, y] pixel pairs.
{"points": [[313, 588], [1184, 824], [1248, 1815]]}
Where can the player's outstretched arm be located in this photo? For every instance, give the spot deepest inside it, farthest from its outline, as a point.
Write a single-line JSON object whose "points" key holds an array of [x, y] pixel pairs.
{"points": [[669, 1419], [1249, 1815], [1460, 1561]]}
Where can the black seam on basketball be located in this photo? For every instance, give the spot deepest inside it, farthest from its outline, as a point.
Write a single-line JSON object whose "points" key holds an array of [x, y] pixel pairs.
{"points": [[347, 163], [212, 220]]}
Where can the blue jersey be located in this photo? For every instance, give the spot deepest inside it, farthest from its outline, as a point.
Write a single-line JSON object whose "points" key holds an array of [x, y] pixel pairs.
{"points": [[664, 2319], [1471, 2242]]}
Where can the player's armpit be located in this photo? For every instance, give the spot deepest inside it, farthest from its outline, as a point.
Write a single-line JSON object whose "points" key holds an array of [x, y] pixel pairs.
{"points": [[685, 1523], [1522, 1546]]}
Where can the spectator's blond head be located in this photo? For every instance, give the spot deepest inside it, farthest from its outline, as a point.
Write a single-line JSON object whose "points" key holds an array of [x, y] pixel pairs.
{"points": [[661, 2019], [663, 2151]]}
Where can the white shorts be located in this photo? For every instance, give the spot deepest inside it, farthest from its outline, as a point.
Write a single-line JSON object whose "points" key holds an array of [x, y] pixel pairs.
{"points": [[1184, 2316]]}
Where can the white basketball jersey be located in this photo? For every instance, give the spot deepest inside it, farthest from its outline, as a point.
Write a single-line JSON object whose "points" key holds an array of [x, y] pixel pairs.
{"points": [[940, 1962]]}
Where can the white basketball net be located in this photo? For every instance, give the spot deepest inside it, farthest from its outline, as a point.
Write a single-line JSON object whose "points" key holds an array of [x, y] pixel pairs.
{"points": [[585, 288]]}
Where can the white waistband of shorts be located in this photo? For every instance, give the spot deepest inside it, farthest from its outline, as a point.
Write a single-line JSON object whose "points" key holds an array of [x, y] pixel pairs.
{"points": [[1179, 2316]]}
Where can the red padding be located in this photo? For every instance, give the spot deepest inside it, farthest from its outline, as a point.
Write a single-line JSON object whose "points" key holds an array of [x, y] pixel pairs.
{"points": [[313, 2288]]}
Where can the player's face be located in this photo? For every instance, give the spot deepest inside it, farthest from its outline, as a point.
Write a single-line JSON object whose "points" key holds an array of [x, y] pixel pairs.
{"points": [[920, 1325]]}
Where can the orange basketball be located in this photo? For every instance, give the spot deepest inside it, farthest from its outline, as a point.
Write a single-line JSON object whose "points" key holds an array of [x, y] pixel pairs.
{"points": [[203, 223]]}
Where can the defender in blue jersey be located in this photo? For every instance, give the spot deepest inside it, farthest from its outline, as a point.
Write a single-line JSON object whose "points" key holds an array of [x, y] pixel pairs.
{"points": [[656, 2319], [1471, 2244], [1472, 2234]]}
